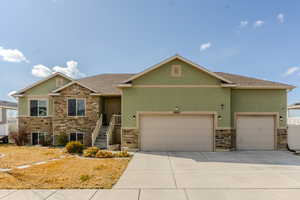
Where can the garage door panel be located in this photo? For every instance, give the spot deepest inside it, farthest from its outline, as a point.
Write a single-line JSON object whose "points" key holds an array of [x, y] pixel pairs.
{"points": [[255, 132], [176, 133]]}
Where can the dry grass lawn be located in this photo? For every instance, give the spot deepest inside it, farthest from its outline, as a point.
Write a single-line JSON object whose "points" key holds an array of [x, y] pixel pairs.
{"points": [[15, 155], [71, 172]]}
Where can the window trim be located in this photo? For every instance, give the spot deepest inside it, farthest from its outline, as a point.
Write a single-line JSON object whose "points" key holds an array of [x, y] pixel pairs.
{"points": [[174, 68], [59, 82], [38, 99], [84, 99], [38, 132], [76, 135]]}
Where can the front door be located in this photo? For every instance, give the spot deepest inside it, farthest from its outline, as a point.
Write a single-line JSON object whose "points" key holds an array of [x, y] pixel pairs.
{"points": [[112, 105]]}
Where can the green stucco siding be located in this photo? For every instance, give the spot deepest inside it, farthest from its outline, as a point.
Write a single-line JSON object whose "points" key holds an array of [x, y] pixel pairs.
{"points": [[166, 99], [190, 76], [45, 88], [41, 90], [260, 101]]}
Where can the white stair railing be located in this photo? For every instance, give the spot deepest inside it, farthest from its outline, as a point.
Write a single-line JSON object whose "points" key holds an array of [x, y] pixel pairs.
{"points": [[115, 120], [97, 129]]}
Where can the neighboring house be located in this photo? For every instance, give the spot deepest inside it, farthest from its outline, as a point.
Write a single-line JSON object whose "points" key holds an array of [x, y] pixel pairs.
{"points": [[175, 105], [7, 122]]}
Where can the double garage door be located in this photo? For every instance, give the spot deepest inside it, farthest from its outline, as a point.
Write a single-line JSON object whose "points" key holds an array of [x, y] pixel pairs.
{"points": [[177, 132]]}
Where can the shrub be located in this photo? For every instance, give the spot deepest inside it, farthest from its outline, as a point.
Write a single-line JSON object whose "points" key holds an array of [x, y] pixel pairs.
{"points": [[62, 139], [104, 154], [122, 154], [48, 141], [20, 138], [90, 152], [74, 147], [85, 177]]}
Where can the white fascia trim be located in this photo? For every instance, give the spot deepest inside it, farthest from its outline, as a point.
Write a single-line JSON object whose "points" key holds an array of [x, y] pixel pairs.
{"points": [[124, 85], [265, 87], [71, 83], [42, 81], [173, 58]]}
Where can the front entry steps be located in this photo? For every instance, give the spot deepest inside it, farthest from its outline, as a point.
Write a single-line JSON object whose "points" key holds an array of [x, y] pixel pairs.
{"points": [[101, 140]]}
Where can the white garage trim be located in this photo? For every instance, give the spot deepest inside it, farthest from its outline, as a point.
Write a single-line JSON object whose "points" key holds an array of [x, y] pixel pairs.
{"points": [[274, 114], [213, 114]]}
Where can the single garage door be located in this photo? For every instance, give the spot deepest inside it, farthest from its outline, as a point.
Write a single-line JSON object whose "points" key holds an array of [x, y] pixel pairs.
{"points": [[255, 133], [176, 132]]}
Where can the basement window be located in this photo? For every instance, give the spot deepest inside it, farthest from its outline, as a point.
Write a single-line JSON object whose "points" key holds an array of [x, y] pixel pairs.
{"points": [[38, 138], [76, 137], [176, 71]]}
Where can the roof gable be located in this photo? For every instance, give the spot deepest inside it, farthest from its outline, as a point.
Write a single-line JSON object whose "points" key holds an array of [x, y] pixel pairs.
{"points": [[72, 83], [184, 60], [43, 86]]}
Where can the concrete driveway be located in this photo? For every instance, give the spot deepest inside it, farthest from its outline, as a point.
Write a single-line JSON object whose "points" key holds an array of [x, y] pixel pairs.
{"points": [[213, 174], [249, 175]]}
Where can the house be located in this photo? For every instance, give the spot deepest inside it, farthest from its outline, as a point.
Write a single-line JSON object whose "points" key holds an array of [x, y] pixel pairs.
{"points": [[176, 105], [8, 121]]}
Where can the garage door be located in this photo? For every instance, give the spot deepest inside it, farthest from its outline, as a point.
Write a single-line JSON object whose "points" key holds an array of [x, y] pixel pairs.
{"points": [[255, 133], [176, 132]]}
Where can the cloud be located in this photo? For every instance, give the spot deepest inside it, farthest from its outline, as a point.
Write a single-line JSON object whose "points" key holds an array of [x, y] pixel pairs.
{"points": [[10, 94], [205, 46], [12, 55], [243, 23], [291, 71], [280, 18], [41, 71], [258, 23], [71, 70]]}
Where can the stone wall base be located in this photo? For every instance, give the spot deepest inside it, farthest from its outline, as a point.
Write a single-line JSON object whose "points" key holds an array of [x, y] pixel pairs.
{"points": [[130, 139], [282, 143], [225, 139]]}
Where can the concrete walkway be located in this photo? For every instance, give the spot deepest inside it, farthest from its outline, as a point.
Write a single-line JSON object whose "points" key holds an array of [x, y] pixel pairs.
{"points": [[264, 175], [152, 194]]}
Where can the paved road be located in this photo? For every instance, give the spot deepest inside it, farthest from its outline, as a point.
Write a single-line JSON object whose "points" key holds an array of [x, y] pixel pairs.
{"points": [[264, 175]]}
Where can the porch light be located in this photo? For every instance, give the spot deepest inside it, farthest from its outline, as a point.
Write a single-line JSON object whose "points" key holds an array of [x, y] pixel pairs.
{"points": [[176, 110], [219, 117], [133, 117], [280, 118], [222, 106]]}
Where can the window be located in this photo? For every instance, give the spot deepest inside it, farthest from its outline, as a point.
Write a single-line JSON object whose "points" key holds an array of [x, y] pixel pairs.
{"points": [[59, 82], [176, 70], [76, 107], [38, 108], [1, 114], [76, 137], [38, 138]]}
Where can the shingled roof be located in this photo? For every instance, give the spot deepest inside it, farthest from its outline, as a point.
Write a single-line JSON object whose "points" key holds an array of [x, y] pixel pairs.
{"points": [[244, 81], [107, 83]]}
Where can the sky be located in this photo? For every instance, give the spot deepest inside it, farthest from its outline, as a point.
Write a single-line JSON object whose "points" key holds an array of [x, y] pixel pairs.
{"points": [[88, 37]]}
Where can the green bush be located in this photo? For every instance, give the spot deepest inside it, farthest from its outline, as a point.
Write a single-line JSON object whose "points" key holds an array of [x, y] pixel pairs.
{"points": [[104, 154], [122, 154], [74, 147], [62, 139], [91, 152]]}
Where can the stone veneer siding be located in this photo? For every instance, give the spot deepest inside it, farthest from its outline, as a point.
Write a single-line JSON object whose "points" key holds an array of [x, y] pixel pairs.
{"points": [[29, 125], [225, 139], [62, 123], [282, 143], [130, 139]]}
